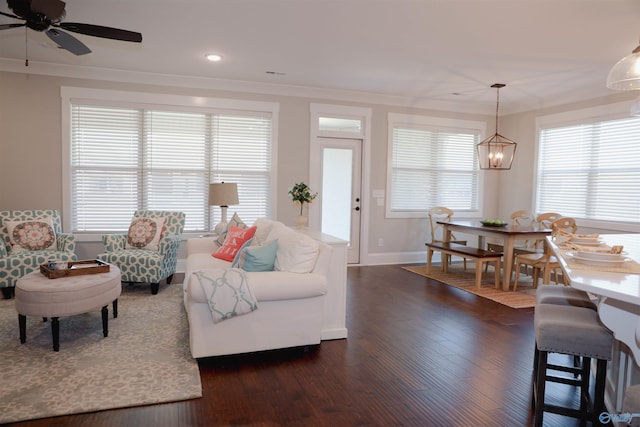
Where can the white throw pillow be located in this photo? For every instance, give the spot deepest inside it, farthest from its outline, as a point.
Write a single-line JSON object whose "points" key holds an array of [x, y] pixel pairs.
{"points": [[297, 253], [145, 233], [263, 229], [31, 235]]}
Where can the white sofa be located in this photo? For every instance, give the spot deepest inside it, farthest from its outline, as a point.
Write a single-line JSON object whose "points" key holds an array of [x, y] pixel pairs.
{"points": [[291, 305]]}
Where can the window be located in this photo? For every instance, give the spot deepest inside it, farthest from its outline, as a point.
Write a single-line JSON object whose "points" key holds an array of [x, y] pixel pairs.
{"points": [[432, 162], [123, 158], [590, 170]]}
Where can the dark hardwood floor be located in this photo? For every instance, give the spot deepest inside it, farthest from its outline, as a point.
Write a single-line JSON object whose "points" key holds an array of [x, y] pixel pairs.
{"points": [[419, 353]]}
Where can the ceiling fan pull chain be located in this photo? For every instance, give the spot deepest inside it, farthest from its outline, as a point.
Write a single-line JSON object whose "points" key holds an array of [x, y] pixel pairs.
{"points": [[26, 48]]}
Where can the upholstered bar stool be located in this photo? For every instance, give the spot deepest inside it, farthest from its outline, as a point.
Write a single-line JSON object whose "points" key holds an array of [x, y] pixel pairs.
{"points": [[563, 295], [573, 331]]}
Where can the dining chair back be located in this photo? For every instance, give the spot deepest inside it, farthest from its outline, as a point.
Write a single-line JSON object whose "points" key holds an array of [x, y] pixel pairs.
{"points": [[545, 219], [523, 218], [442, 213], [567, 224]]}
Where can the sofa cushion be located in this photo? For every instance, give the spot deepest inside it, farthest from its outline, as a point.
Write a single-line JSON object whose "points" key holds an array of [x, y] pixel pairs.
{"points": [[145, 233], [266, 285], [234, 222], [257, 257], [297, 252], [31, 235], [236, 237]]}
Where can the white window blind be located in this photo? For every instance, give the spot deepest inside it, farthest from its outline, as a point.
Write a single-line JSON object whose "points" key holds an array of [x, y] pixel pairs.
{"points": [[432, 167], [123, 159], [591, 170]]}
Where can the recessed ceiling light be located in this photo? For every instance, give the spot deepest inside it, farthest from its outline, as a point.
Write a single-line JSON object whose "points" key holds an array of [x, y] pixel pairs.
{"points": [[214, 57]]}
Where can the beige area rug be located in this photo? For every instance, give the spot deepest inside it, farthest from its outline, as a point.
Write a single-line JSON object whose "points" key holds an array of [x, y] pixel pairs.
{"points": [[144, 360], [465, 280]]}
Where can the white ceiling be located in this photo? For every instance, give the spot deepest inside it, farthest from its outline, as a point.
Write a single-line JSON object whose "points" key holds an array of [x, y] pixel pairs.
{"points": [[441, 54]]}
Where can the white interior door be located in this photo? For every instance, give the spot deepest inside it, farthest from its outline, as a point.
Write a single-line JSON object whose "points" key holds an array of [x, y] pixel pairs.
{"points": [[341, 192]]}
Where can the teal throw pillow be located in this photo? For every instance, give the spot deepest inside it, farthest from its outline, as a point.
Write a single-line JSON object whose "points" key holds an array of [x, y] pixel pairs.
{"points": [[257, 258]]}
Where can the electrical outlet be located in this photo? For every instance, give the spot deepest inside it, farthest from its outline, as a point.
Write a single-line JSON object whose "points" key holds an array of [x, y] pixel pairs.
{"points": [[380, 242]]}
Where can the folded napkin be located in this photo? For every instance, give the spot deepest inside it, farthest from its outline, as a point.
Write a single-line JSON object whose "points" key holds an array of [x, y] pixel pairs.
{"points": [[602, 249], [578, 236]]}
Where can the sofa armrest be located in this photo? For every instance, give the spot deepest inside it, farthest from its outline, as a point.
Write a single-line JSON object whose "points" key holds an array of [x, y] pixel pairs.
{"points": [[66, 242], [205, 244], [114, 242]]}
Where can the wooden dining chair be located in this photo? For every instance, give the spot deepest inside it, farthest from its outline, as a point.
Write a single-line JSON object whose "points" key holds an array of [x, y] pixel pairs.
{"points": [[544, 262], [441, 213], [521, 218]]}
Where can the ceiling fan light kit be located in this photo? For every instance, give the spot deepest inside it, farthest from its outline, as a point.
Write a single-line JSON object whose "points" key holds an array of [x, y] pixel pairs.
{"points": [[496, 152], [625, 74], [47, 15]]}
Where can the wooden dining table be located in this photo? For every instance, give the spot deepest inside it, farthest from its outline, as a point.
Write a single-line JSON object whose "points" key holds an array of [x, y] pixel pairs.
{"points": [[508, 233]]}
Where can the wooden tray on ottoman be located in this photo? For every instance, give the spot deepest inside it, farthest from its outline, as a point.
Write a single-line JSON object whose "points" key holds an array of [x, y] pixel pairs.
{"points": [[76, 268]]}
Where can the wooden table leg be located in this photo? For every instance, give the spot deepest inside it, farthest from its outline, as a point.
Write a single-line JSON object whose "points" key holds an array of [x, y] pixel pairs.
{"points": [[508, 262]]}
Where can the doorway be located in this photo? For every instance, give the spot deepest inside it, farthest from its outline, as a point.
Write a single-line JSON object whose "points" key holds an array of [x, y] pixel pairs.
{"points": [[340, 141], [341, 192]]}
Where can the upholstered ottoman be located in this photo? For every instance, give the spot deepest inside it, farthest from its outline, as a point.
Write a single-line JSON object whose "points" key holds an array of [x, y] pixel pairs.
{"points": [[37, 295]]}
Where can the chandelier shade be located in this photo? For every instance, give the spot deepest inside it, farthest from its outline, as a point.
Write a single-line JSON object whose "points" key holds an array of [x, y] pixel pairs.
{"points": [[496, 152], [625, 74]]}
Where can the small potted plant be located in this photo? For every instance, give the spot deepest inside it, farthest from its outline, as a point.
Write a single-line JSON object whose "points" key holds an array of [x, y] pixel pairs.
{"points": [[300, 194]]}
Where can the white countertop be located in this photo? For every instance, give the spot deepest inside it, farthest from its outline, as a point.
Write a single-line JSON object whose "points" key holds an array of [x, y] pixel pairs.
{"points": [[619, 286]]}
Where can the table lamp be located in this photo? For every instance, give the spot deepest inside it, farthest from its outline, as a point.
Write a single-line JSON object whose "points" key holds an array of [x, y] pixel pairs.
{"points": [[223, 194]]}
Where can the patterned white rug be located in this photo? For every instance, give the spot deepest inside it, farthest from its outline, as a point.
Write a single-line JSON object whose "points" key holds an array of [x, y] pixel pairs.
{"points": [[144, 360]]}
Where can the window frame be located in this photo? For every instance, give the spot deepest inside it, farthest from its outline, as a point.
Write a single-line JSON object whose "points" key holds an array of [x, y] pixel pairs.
{"points": [[607, 112], [126, 99], [436, 124]]}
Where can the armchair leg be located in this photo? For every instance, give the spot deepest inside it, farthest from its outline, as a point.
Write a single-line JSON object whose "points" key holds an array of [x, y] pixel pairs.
{"points": [[154, 288], [169, 279]]}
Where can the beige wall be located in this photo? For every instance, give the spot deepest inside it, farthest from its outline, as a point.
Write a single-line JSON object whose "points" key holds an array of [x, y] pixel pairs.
{"points": [[31, 174]]}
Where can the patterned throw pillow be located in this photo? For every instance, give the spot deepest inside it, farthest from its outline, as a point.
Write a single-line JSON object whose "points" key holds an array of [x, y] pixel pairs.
{"points": [[235, 222], [31, 235], [228, 293], [236, 237], [145, 233]]}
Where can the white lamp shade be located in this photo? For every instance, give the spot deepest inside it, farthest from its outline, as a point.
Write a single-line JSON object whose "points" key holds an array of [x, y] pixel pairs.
{"points": [[223, 194], [625, 75]]}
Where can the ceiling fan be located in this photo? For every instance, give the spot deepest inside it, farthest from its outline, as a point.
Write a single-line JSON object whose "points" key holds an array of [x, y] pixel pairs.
{"points": [[47, 15]]}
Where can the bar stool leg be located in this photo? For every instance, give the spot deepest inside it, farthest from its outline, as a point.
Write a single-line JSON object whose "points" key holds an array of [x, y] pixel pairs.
{"points": [[538, 395]]}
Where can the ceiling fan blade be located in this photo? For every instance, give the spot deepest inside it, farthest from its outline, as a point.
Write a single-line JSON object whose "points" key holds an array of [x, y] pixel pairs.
{"points": [[100, 31], [10, 15], [68, 42], [52, 9], [7, 26]]}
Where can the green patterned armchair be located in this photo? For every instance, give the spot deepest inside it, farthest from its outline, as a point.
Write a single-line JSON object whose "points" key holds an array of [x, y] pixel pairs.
{"points": [[148, 253], [28, 239]]}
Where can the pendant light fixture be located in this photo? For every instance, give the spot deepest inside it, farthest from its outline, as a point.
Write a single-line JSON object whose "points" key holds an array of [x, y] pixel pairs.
{"points": [[496, 152], [625, 74]]}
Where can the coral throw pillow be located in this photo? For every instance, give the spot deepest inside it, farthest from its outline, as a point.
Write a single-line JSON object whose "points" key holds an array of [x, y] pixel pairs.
{"points": [[236, 237], [145, 233], [31, 235]]}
